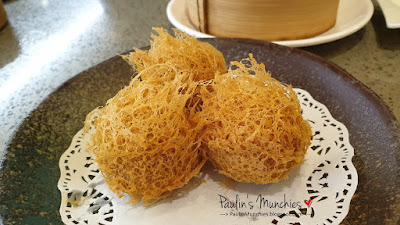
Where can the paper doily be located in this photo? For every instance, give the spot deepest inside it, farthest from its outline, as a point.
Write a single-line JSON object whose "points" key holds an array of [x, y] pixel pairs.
{"points": [[317, 192]]}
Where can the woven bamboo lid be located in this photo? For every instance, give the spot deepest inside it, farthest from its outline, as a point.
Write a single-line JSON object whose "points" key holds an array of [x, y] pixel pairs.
{"points": [[263, 19]]}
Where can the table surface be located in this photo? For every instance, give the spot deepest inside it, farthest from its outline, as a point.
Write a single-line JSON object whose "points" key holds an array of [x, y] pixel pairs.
{"points": [[45, 43]]}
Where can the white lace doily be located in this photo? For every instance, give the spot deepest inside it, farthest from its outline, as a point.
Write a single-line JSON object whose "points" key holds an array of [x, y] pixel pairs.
{"points": [[317, 192]]}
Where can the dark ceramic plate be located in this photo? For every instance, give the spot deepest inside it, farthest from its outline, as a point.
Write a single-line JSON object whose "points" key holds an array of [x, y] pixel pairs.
{"points": [[28, 179]]}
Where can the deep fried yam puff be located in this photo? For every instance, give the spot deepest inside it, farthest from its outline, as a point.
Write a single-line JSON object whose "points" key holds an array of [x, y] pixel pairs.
{"points": [[144, 144], [255, 130]]}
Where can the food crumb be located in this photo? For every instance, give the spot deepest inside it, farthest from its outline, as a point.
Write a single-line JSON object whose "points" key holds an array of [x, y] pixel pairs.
{"points": [[74, 203]]}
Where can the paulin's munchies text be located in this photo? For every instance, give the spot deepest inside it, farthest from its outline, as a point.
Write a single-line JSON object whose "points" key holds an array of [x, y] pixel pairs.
{"points": [[259, 203]]}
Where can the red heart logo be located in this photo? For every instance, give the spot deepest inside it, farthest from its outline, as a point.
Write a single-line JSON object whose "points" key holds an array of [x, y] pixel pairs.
{"points": [[308, 203]]}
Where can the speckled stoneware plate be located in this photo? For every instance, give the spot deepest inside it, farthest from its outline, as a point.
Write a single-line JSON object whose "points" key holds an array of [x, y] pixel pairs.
{"points": [[30, 170]]}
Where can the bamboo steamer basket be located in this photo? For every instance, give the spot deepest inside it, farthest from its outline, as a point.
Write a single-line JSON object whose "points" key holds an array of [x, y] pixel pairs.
{"points": [[269, 20]]}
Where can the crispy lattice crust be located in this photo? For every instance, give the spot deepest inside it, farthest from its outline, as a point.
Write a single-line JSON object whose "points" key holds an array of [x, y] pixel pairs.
{"points": [[185, 53], [145, 144], [255, 130]]}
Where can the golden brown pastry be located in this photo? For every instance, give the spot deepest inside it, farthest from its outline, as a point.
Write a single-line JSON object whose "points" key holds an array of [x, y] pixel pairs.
{"points": [[255, 131], [186, 54], [144, 142]]}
